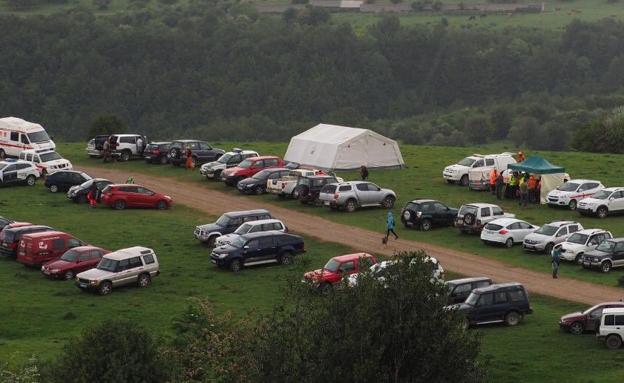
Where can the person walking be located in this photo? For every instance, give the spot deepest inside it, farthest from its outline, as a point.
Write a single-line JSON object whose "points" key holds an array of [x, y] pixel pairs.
{"points": [[106, 152], [389, 227], [493, 176], [556, 259], [130, 180], [139, 145], [363, 172], [189, 159], [500, 186], [524, 191]]}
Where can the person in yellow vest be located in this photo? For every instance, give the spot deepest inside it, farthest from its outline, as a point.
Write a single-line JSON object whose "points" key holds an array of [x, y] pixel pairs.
{"points": [[510, 191], [493, 176]]}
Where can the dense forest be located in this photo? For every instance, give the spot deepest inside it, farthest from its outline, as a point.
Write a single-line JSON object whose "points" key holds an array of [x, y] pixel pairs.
{"points": [[219, 70]]}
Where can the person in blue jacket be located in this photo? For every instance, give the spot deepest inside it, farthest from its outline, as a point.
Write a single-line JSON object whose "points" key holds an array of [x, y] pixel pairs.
{"points": [[390, 227]]}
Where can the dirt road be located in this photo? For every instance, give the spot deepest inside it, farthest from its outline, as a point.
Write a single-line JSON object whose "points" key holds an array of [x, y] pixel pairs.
{"points": [[215, 203]]}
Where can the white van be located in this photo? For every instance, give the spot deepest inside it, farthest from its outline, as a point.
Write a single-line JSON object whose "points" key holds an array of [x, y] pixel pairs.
{"points": [[17, 135], [47, 162], [459, 171]]}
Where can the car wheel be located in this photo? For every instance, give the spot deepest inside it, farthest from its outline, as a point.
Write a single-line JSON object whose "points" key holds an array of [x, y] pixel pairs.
{"points": [[602, 212], [512, 318], [576, 328], [464, 180], [572, 205], [613, 342], [579, 258], [235, 265], [105, 288], [68, 276], [548, 248], [425, 225], [125, 155], [509, 243], [54, 188], [163, 160], [286, 259], [326, 288], [350, 206], [605, 267], [30, 180], [388, 202], [119, 204], [144, 280], [469, 219], [258, 190], [161, 205]]}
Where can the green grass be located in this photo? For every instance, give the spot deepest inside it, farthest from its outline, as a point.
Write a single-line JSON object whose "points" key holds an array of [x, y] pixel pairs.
{"points": [[423, 179]]}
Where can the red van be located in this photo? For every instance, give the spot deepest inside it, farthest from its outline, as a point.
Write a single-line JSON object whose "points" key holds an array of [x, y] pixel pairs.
{"points": [[249, 167], [38, 248]]}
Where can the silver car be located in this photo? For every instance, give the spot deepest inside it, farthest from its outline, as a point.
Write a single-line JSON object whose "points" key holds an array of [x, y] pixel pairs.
{"points": [[547, 236], [354, 194]]}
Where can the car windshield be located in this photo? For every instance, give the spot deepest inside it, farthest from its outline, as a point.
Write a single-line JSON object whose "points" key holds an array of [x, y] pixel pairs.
{"points": [[85, 176], [590, 309], [466, 161], [238, 242], [472, 299], [223, 220], [547, 230], [568, 187], [332, 265], [603, 194], [69, 256], [578, 238], [468, 209], [606, 246], [243, 229], [2, 166], [245, 164], [224, 158], [46, 157], [108, 264], [40, 136], [262, 174]]}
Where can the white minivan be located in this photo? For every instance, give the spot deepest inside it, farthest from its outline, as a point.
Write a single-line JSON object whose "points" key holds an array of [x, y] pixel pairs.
{"points": [[17, 135]]}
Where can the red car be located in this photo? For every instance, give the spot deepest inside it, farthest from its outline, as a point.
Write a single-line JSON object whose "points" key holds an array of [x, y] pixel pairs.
{"points": [[36, 249], [74, 261], [337, 268], [588, 320], [123, 196], [249, 167]]}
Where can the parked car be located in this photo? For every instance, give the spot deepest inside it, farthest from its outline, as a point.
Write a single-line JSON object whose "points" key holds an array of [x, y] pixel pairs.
{"points": [[309, 187], [285, 186], [506, 231], [336, 269], [258, 226], [228, 223], [202, 152], [15, 224], [156, 153], [46, 162], [121, 196], [506, 302], [550, 234], [38, 248], [571, 192], [249, 167], [258, 248], [129, 146], [73, 262], [607, 255], [575, 247], [78, 193], [472, 217], [10, 237], [609, 201], [460, 289], [95, 146], [355, 194], [379, 271], [18, 172], [458, 173], [4, 222], [256, 184], [425, 214], [611, 328], [134, 265], [586, 321], [212, 170], [65, 179]]}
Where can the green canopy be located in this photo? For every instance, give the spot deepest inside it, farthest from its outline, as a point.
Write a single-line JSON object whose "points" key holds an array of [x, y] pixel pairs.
{"points": [[536, 165]]}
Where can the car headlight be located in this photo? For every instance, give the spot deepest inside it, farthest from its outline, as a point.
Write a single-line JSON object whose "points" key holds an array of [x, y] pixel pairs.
{"points": [[55, 271], [42, 268], [221, 256], [93, 283]]}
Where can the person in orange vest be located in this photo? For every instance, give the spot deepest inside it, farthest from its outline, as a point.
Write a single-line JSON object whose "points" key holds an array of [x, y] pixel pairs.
{"points": [[521, 156], [532, 184], [189, 159], [493, 176]]}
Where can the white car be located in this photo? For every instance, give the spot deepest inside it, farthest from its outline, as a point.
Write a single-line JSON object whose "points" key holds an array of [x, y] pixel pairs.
{"points": [[377, 268], [14, 172], [507, 231], [606, 201], [472, 217], [459, 172], [46, 162], [547, 236], [571, 192], [252, 227], [581, 242]]}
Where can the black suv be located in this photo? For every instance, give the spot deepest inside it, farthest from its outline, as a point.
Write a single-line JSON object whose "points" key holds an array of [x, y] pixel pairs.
{"points": [[258, 248], [156, 152], [227, 224], [10, 238], [201, 150], [257, 183], [460, 289], [608, 254], [79, 193], [505, 302], [309, 187], [426, 214], [64, 179], [4, 222]]}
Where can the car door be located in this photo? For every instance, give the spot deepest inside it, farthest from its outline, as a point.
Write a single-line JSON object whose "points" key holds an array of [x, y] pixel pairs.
{"points": [[132, 195], [486, 214], [375, 194], [252, 252], [271, 163], [515, 231], [523, 230], [460, 293], [9, 175], [347, 268], [618, 255], [484, 310], [617, 201], [84, 262], [561, 234], [234, 160], [593, 319], [363, 193], [440, 214], [147, 198], [204, 151]]}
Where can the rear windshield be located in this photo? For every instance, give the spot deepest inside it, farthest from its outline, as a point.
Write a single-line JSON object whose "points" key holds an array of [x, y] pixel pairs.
{"points": [[468, 209], [329, 189], [40, 136], [493, 226]]}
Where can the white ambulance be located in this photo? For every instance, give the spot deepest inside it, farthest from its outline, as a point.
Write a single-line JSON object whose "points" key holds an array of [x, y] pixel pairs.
{"points": [[17, 135]]}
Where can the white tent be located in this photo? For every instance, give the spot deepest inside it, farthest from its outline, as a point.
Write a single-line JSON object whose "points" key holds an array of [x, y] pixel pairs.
{"points": [[342, 148]]}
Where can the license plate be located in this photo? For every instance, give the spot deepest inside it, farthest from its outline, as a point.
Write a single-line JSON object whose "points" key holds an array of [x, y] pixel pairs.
{"points": [[213, 261], [210, 175], [326, 203], [83, 285]]}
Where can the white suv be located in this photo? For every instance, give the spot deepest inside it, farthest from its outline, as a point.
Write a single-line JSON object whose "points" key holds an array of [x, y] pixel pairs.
{"points": [[581, 242], [603, 203], [571, 192], [134, 265], [251, 227], [612, 327], [472, 217], [13, 172], [547, 236], [46, 162]]}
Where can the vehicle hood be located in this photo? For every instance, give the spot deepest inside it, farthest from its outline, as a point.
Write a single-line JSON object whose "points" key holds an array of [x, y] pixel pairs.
{"points": [[214, 165], [59, 264], [318, 274], [573, 247], [572, 316], [593, 201], [228, 238], [462, 307], [456, 168], [538, 237], [249, 181], [225, 249], [95, 274], [559, 193], [210, 227]]}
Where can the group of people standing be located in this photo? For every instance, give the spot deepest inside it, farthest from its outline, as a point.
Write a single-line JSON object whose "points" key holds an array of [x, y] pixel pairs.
{"points": [[522, 186]]}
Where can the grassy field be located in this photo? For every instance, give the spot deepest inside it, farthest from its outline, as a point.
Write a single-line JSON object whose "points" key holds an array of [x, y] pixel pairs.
{"points": [[39, 315], [423, 179]]}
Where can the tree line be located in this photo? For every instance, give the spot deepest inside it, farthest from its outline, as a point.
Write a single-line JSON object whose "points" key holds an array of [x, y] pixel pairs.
{"points": [[218, 70]]}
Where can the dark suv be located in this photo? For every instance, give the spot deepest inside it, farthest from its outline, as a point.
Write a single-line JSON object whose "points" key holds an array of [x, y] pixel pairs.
{"points": [[257, 184], [608, 254], [258, 248], [202, 152], [505, 302], [426, 214], [156, 152], [309, 187], [227, 224], [10, 238], [460, 289], [64, 179]]}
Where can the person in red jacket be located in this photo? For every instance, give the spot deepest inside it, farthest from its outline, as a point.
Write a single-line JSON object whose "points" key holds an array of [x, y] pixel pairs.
{"points": [[493, 176], [189, 159], [92, 197]]}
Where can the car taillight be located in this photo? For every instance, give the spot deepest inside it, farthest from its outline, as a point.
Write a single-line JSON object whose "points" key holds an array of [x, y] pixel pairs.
{"points": [[504, 231]]}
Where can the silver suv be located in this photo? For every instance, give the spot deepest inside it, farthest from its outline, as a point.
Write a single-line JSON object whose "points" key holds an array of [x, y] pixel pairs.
{"points": [[354, 194], [134, 265], [550, 234]]}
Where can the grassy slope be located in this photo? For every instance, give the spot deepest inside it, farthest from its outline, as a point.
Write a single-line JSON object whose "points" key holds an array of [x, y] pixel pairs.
{"points": [[423, 178]]}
